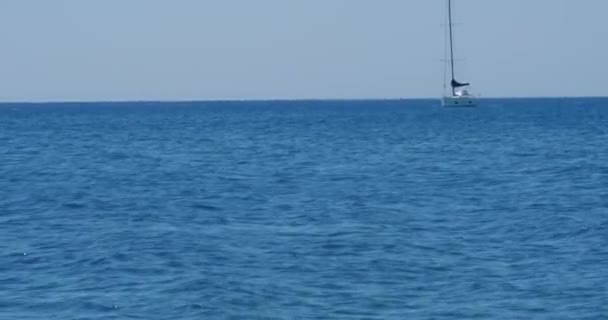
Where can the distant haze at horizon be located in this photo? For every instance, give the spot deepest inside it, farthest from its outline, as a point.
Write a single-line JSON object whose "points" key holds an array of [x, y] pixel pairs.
{"points": [[70, 50]]}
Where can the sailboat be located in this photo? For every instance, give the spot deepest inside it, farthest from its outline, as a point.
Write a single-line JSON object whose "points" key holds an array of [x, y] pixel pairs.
{"points": [[458, 96]]}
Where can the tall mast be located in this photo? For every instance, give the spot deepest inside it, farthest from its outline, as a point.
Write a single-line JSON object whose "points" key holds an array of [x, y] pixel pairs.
{"points": [[451, 44]]}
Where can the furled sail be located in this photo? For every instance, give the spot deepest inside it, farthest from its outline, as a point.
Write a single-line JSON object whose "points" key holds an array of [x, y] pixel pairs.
{"points": [[456, 84]]}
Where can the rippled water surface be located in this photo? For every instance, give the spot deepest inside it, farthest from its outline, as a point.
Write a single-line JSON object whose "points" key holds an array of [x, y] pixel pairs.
{"points": [[304, 210]]}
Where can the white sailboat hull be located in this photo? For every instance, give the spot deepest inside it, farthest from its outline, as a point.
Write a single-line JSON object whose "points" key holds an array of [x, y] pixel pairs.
{"points": [[456, 101]]}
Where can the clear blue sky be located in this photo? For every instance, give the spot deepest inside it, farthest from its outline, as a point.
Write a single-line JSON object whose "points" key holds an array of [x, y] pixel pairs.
{"points": [[255, 49]]}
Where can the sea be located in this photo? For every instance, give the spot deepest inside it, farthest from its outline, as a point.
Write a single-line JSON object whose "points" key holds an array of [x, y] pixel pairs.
{"points": [[391, 209]]}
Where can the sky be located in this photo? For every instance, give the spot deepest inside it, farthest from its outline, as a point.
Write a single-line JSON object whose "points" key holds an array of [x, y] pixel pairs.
{"points": [[92, 50]]}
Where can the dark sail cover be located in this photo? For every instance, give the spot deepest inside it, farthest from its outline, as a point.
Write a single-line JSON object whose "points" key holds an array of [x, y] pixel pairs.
{"points": [[456, 84]]}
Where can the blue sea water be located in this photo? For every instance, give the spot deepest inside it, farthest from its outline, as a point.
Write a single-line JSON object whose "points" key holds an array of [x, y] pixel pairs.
{"points": [[304, 210]]}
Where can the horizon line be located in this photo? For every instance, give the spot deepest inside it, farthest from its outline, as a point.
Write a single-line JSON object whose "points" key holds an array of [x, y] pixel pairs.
{"points": [[236, 100]]}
